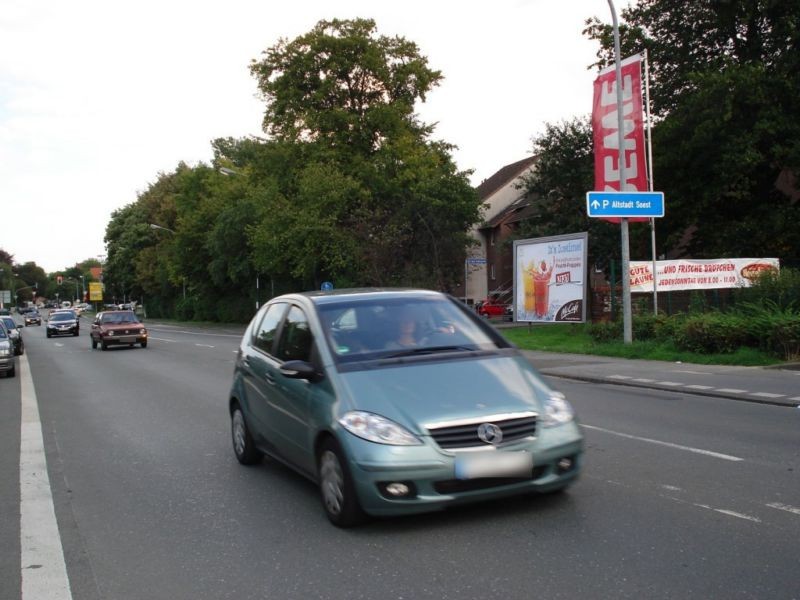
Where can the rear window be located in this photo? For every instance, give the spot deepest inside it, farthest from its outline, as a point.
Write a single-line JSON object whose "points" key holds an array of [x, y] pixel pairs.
{"points": [[62, 317]]}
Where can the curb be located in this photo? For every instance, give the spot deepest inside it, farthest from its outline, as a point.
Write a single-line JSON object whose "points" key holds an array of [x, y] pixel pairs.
{"points": [[710, 394]]}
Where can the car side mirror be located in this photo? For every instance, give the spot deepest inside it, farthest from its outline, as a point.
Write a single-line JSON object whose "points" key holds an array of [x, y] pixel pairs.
{"points": [[300, 369]]}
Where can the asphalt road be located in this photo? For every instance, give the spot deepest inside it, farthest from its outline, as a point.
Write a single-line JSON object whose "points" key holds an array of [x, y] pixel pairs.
{"points": [[682, 496]]}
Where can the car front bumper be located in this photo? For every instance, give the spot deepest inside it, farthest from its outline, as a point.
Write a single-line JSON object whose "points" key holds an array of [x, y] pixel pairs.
{"points": [[6, 363], [123, 339], [65, 331], [430, 473]]}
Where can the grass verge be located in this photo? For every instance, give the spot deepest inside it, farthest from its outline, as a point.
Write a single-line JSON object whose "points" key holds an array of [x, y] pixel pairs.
{"points": [[574, 338]]}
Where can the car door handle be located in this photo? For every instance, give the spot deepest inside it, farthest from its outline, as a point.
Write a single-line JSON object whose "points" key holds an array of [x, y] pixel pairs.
{"points": [[270, 378]]}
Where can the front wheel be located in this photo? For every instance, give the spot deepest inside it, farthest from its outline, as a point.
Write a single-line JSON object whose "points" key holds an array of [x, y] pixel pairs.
{"points": [[103, 346], [12, 372], [94, 344], [243, 446], [144, 344], [336, 486]]}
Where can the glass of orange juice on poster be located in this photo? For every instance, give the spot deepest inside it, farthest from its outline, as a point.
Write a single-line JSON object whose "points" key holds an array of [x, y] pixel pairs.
{"points": [[528, 274], [541, 281]]}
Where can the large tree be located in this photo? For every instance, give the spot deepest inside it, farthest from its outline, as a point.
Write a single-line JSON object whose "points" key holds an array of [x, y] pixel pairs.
{"points": [[726, 91], [371, 198]]}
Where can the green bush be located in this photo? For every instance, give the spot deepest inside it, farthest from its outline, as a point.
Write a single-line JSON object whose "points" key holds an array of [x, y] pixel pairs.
{"points": [[606, 331], [781, 288], [773, 328], [713, 333]]}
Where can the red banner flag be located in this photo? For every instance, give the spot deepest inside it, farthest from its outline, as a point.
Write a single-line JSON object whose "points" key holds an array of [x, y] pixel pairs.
{"points": [[605, 127]]}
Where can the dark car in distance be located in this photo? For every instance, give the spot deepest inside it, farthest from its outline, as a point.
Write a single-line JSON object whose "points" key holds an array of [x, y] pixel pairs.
{"points": [[32, 318], [117, 327], [63, 323]]}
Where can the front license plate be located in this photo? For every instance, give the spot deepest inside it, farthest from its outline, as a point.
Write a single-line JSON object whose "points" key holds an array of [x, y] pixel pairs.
{"points": [[494, 464]]}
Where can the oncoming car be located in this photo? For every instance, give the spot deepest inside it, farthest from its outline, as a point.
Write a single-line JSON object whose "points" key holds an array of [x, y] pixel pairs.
{"points": [[117, 327], [14, 334], [396, 402], [62, 322], [7, 361], [32, 317]]}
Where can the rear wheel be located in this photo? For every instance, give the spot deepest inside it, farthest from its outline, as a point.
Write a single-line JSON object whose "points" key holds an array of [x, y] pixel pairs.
{"points": [[336, 486], [243, 446]]}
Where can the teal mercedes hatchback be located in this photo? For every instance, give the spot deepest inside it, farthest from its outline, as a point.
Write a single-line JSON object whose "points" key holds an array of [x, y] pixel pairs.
{"points": [[397, 402]]}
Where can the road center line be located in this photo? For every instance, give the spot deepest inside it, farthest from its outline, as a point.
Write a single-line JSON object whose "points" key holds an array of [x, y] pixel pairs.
{"points": [[668, 444], [786, 507], [44, 572], [204, 346]]}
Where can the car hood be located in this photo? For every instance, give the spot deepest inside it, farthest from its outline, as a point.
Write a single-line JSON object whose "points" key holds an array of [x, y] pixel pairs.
{"points": [[115, 327], [426, 392]]}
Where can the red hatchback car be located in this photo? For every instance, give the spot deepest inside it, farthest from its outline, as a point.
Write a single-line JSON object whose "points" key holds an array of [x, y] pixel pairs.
{"points": [[116, 327], [493, 309]]}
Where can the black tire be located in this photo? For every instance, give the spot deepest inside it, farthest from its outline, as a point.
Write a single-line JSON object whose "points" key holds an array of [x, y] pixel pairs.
{"points": [[48, 334], [103, 346], [12, 372], [94, 343], [336, 487], [76, 333], [144, 344], [243, 446]]}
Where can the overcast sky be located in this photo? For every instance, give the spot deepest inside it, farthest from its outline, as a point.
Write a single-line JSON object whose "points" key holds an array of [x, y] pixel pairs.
{"points": [[98, 97]]}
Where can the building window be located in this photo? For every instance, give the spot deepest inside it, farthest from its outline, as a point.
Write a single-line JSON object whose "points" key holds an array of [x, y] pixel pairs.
{"points": [[493, 277], [491, 237]]}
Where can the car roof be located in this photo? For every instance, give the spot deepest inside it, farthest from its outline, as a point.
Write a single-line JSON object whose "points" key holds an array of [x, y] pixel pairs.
{"points": [[358, 294]]}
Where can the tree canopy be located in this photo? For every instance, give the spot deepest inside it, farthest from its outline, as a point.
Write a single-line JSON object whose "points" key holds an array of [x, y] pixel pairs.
{"points": [[348, 186]]}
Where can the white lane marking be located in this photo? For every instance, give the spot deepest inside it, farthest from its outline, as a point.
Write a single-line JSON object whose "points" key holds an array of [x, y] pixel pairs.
{"points": [[204, 346], [672, 488], [795, 398], [700, 387], [58, 345], [618, 377], [670, 383], [693, 372], [767, 395], [643, 380], [668, 444], [163, 340], [786, 507], [732, 391], [737, 515], [44, 572], [237, 336]]}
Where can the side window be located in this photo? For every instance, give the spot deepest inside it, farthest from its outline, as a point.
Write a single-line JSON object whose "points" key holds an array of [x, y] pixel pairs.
{"points": [[296, 341], [264, 337]]}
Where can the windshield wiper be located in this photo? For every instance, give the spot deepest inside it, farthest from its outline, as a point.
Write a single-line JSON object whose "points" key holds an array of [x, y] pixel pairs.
{"points": [[429, 350]]}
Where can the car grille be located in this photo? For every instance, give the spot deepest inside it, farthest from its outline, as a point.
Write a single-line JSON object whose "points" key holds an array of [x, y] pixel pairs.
{"points": [[465, 435]]}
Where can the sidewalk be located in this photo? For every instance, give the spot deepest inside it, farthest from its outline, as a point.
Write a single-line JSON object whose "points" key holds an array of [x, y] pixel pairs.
{"points": [[780, 387]]}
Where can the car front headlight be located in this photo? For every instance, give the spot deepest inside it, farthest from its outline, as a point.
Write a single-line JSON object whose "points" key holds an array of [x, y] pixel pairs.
{"points": [[557, 410], [380, 430]]}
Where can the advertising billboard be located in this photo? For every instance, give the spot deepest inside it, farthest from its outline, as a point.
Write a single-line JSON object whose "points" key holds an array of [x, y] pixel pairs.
{"points": [[674, 275], [550, 279]]}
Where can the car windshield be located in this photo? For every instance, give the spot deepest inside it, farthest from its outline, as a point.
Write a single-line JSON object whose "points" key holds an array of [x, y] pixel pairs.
{"points": [[119, 318], [386, 327], [9, 323], [65, 316]]}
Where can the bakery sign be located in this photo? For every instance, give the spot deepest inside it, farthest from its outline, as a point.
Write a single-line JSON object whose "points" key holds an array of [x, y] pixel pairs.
{"points": [[674, 275]]}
